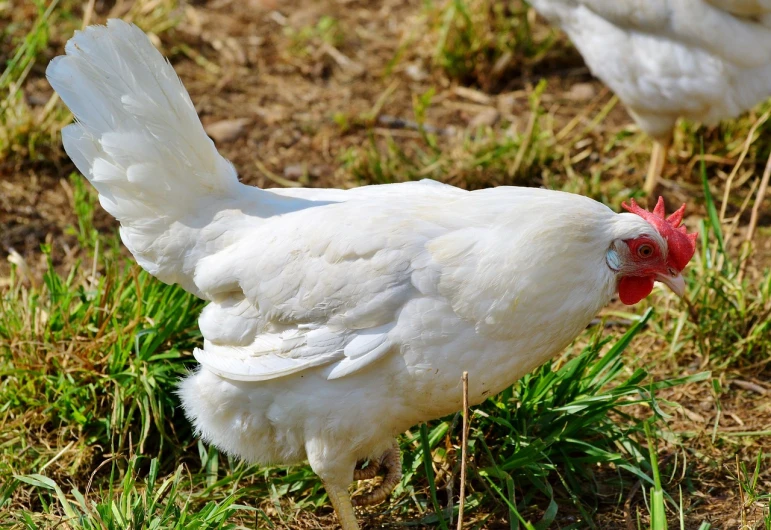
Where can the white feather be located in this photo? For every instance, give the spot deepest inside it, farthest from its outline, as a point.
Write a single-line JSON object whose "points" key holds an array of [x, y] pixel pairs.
{"points": [[138, 139], [705, 60]]}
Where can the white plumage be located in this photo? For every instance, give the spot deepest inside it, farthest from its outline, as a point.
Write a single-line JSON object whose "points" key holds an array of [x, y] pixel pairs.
{"points": [[705, 60], [336, 319]]}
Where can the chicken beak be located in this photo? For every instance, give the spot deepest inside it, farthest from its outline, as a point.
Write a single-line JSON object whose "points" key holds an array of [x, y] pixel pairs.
{"points": [[675, 283]]}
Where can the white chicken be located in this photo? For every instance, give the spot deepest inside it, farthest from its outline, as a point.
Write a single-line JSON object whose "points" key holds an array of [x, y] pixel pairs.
{"points": [[338, 319], [705, 60]]}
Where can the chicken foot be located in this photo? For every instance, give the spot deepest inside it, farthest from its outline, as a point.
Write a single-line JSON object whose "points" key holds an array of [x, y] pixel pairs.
{"points": [[391, 462], [367, 473]]}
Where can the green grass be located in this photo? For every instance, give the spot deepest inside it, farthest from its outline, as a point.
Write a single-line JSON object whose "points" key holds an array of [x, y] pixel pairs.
{"points": [[152, 502], [534, 154], [566, 424], [22, 129], [729, 321], [751, 493], [30, 132], [307, 39], [485, 43]]}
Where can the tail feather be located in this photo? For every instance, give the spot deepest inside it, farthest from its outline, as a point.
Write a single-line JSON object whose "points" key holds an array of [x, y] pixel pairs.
{"points": [[138, 140], [127, 97]]}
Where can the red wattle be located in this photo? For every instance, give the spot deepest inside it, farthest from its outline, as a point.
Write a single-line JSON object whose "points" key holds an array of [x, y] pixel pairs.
{"points": [[632, 289]]}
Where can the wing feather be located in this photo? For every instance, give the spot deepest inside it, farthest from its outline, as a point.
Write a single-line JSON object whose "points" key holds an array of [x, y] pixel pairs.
{"points": [[319, 287]]}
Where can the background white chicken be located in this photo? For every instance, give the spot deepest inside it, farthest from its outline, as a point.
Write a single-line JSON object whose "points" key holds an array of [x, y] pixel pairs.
{"points": [[338, 319], [705, 60]]}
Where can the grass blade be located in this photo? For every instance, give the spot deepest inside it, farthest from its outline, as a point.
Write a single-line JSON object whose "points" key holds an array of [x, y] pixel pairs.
{"points": [[429, 468]]}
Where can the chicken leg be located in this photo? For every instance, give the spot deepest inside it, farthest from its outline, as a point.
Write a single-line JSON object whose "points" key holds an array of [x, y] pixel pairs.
{"points": [[391, 461], [657, 163], [341, 501]]}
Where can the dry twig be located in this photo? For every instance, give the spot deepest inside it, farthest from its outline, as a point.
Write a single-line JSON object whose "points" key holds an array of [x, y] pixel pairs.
{"points": [[464, 448], [759, 198]]}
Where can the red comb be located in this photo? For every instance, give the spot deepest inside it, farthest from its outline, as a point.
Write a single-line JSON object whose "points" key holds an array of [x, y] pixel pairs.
{"points": [[682, 245]]}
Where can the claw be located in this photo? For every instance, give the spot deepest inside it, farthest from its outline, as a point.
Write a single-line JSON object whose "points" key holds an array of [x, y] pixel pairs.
{"points": [[368, 472], [391, 462]]}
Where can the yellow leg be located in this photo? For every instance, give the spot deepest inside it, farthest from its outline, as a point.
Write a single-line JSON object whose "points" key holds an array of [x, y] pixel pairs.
{"points": [[656, 167], [341, 500]]}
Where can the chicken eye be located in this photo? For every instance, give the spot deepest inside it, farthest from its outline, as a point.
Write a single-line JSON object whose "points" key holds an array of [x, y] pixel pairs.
{"points": [[645, 251]]}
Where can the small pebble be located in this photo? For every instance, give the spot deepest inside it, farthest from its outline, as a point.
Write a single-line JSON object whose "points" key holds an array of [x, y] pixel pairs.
{"points": [[226, 130]]}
